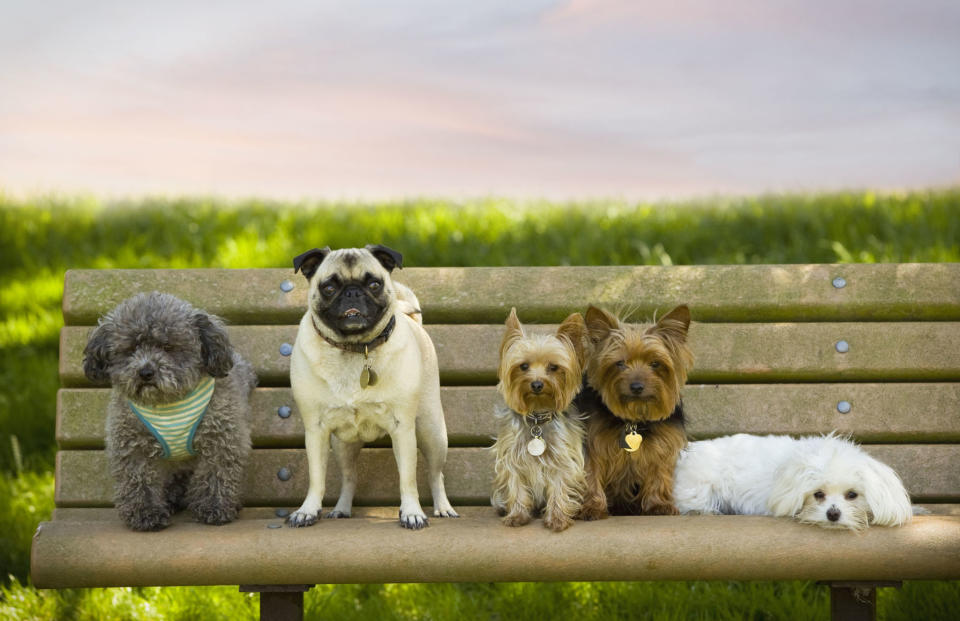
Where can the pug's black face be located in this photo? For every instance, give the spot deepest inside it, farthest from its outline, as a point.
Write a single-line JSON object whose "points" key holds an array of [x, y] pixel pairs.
{"points": [[351, 306], [350, 289]]}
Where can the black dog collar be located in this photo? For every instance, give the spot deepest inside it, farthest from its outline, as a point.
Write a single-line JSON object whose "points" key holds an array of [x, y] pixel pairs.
{"points": [[537, 446], [360, 348], [589, 400], [539, 418], [644, 426]]}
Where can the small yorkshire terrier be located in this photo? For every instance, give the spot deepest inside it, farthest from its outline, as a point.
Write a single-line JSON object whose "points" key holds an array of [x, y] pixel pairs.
{"points": [[634, 412], [539, 447]]}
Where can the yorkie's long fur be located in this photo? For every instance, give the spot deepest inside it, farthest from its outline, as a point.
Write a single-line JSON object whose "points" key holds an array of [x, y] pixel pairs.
{"points": [[634, 375], [539, 377]]}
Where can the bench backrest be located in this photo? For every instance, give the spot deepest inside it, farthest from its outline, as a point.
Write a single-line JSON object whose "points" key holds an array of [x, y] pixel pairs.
{"points": [[871, 350]]}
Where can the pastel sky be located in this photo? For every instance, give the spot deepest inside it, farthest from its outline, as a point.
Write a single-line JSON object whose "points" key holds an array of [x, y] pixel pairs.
{"points": [[524, 98]]}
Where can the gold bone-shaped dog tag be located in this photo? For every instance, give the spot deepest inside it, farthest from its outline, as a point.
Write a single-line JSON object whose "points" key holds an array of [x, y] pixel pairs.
{"points": [[631, 441]]}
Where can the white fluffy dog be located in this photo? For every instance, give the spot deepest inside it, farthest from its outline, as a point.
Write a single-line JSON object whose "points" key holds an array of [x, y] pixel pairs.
{"points": [[823, 480]]}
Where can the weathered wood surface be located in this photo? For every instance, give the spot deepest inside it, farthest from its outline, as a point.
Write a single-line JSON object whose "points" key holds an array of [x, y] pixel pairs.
{"points": [[879, 413], [740, 353], [929, 472], [373, 549], [738, 293]]}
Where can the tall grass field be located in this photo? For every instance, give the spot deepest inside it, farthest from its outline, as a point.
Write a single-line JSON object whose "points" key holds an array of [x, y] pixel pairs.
{"points": [[41, 238]]}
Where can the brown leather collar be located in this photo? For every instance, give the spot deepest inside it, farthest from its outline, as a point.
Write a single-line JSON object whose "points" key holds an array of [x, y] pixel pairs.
{"points": [[359, 348]]}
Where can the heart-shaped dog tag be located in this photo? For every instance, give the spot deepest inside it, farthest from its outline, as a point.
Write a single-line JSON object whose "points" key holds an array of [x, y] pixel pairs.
{"points": [[632, 441]]}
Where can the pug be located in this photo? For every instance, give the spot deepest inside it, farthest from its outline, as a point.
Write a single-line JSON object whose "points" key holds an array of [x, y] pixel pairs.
{"points": [[363, 367]]}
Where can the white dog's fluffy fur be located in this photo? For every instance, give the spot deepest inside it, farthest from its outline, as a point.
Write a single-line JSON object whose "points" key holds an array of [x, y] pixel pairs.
{"points": [[824, 480]]}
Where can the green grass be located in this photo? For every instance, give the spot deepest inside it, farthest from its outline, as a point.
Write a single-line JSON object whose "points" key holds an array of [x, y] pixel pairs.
{"points": [[25, 499], [520, 601], [41, 238]]}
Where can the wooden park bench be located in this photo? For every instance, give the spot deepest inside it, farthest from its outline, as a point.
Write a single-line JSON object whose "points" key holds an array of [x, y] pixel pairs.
{"points": [[870, 350]]}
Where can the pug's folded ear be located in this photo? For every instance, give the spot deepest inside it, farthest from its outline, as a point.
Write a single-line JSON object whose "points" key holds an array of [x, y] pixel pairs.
{"points": [[309, 261], [388, 257]]}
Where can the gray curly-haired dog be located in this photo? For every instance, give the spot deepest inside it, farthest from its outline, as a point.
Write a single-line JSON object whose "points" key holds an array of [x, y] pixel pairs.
{"points": [[178, 430]]}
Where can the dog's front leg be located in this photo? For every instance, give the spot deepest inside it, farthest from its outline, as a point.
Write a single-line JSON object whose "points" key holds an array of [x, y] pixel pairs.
{"points": [[564, 494], [139, 493], [595, 499], [317, 441], [346, 454], [519, 502], [213, 493], [432, 440], [657, 490], [405, 451], [213, 489]]}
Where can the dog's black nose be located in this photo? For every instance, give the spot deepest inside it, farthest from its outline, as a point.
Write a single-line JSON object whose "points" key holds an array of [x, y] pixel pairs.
{"points": [[636, 387], [833, 514], [536, 386], [147, 372]]}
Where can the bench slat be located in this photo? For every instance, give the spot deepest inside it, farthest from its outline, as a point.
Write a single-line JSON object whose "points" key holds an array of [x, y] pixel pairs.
{"points": [[738, 353], [482, 295], [82, 480], [879, 413], [371, 549]]}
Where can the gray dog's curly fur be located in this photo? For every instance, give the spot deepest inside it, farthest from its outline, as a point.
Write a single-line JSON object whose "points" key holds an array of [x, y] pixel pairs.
{"points": [[154, 348]]}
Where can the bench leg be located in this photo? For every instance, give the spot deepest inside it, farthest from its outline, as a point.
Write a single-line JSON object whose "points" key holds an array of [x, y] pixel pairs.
{"points": [[279, 602], [855, 601]]}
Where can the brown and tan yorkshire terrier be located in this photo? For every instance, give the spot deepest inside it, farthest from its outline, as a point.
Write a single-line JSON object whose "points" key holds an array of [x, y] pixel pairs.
{"points": [[539, 447], [634, 412]]}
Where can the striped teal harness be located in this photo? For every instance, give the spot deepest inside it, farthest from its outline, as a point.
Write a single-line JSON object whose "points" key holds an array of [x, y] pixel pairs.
{"points": [[173, 424]]}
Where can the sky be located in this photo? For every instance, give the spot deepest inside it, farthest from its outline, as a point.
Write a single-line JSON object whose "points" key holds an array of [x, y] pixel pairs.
{"points": [[524, 98]]}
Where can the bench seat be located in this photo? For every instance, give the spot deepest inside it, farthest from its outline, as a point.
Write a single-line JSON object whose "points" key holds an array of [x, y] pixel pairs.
{"points": [[95, 550]]}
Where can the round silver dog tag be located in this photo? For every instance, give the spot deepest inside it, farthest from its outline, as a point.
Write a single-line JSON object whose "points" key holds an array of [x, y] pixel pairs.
{"points": [[536, 447]]}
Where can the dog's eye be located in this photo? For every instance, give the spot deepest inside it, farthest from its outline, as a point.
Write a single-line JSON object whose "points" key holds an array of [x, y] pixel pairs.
{"points": [[552, 368], [655, 364], [851, 495], [524, 366], [374, 286], [819, 495], [621, 364], [328, 290]]}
